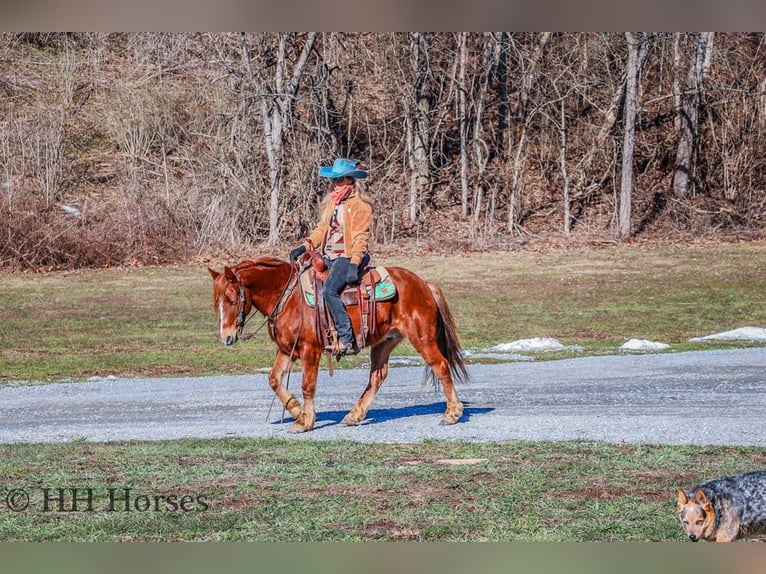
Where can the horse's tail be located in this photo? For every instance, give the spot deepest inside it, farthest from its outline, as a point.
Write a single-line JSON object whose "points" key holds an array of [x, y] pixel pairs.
{"points": [[447, 340]]}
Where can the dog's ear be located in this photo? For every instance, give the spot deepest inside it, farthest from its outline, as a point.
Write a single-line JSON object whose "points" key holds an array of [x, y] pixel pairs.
{"points": [[701, 498], [683, 498]]}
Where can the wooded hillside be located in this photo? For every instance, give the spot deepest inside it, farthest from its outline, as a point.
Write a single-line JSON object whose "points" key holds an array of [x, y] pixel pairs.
{"points": [[152, 148]]}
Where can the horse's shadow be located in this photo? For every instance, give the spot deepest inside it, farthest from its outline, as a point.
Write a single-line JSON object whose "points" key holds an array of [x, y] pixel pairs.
{"points": [[376, 416]]}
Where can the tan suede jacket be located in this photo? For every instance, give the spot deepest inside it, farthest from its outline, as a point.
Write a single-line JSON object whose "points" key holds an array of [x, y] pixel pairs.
{"points": [[357, 219]]}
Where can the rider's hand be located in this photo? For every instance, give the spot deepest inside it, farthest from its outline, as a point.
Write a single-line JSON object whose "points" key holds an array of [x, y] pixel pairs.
{"points": [[297, 252], [352, 275]]}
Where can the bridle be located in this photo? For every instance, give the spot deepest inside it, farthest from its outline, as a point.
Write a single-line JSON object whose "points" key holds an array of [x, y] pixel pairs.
{"points": [[242, 318]]}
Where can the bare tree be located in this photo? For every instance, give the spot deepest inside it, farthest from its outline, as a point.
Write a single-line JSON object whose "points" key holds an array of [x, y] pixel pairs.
{"points": [[530, 73], [276, 89], [479, 141], [505, 42], [530, 76], [677, 80], [689, 112], [762, 99], [586, 182], [463, 121], [564, 169], [418, 124], [635, 45], [560, 123]]}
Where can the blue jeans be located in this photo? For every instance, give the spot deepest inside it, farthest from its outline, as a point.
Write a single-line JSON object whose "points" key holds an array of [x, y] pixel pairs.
{"points": [[333, 287]]}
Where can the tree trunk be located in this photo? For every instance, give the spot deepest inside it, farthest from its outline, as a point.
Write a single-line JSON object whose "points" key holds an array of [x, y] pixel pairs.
{"points": [[463, 122], [514, 204], [762, 102], [629, 121], [564, 170], [677, 79], [503, 103], [687, 137], [420, 180]]}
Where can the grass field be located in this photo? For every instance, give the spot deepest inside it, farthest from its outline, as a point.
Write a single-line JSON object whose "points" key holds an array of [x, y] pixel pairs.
{"points": [[283, 490], [159, 321]]}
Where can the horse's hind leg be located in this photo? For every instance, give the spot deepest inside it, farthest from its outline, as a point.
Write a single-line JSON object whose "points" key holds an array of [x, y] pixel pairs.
{"points": [[433, 357], [379, 355], [281, 365]]}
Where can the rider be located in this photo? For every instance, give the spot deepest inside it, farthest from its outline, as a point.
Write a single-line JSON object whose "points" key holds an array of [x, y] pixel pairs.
{"points": [[342, 235]]}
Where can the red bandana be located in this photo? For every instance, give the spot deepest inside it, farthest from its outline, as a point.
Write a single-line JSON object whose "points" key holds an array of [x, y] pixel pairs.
{"points": [[340, 192]]}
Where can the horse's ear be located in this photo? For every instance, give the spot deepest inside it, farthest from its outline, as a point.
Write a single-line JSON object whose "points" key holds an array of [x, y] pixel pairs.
{"points": [[230, 277], [213, 273]]}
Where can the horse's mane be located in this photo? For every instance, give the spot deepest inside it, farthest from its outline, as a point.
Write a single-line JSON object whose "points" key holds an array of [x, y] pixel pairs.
{"points": [[263, 261]]}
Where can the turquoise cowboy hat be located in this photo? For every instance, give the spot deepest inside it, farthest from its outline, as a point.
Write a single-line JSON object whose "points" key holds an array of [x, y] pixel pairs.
{"points": [[342, 168]]}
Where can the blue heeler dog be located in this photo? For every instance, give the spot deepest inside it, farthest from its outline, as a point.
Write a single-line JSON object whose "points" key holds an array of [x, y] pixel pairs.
{"points": [[725, 509]]}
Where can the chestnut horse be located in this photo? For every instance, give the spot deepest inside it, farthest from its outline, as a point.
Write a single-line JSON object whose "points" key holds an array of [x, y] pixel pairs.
{"points": [[418, 312]]}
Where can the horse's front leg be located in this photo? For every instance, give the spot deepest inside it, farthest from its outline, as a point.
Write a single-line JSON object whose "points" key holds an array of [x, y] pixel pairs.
{"points": [[281, 365], [307, 419]]}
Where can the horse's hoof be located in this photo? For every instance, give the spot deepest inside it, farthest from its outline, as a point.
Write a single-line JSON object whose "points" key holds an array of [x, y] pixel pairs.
{"points": [[350, 421], [448, 420], [298, 428]]}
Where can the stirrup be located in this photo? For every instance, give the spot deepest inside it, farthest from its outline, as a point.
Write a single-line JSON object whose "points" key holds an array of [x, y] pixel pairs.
{"points": [[334, 343], [343, 349]]}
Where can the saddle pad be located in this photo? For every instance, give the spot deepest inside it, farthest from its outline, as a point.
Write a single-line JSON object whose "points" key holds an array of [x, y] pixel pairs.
{"points": [[384, 289]]}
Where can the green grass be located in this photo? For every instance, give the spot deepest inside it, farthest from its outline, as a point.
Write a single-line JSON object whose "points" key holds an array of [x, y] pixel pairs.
{"points": [[284, 490], [160, 321]]}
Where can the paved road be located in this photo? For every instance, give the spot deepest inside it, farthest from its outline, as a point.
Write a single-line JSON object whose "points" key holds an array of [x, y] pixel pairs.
{"points": [[712, 397]]}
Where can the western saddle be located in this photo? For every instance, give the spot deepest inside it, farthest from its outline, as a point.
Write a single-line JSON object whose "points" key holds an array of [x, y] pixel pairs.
{"points": [[375, 285]]}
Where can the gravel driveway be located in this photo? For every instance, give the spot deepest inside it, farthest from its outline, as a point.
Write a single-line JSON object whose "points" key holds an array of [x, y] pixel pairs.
{"points": [[711, 397]]}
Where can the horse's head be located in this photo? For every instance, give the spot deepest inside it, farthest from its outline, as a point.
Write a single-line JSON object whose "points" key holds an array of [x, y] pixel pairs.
{"points": [[231, 304]]}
